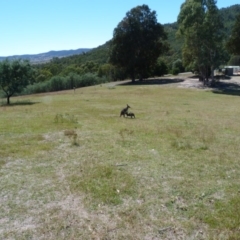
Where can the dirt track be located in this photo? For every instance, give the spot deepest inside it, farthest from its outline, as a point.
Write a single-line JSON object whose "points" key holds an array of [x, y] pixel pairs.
{"points": [[232, 83], [186, 80]]}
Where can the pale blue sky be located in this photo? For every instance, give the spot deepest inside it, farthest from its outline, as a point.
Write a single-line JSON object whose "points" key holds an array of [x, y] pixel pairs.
{"points": [[37, 26]]}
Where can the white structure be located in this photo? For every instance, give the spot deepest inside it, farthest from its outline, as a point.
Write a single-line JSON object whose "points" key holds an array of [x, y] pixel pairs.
{"points": [[232, 70]]}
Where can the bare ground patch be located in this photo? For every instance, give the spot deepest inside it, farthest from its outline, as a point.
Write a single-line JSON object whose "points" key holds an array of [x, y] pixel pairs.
{"points": [[231, 83], [186, 80]]}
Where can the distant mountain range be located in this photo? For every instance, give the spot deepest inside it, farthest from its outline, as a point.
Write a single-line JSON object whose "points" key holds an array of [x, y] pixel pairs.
{"points": [[46, 57]]}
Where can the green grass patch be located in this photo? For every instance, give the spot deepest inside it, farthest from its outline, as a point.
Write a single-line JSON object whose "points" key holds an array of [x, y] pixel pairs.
{"points": [[105, 184], [225, 217]]}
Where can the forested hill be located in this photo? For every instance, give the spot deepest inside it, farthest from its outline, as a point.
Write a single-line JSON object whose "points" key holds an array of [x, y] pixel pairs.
{"points": [[229, 15], [46, 57], [98, 55]]}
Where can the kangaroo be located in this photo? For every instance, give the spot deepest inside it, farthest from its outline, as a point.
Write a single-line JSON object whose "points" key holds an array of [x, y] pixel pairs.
{"points": [[130, 114], [124, 111]]}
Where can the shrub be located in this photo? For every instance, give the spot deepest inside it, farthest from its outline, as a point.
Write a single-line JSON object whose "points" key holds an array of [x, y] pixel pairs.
{"points": [[58, 83], [177, 67], [37, 88], [175, 71]]}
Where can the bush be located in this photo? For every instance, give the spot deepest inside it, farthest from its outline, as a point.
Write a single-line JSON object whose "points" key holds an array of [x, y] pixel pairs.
{"points": [[160, 68], [37, 88], [177, 67], [175, 71]]}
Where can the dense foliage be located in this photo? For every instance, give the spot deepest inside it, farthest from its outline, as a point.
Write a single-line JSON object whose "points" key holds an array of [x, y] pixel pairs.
{"points": [[229, 15], [137, 42], [233, 44]]}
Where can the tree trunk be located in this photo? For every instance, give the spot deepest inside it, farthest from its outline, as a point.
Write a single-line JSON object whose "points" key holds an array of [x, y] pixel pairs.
{"points": [[202, 76], [212, 77], [8, 99], [133, 77]]}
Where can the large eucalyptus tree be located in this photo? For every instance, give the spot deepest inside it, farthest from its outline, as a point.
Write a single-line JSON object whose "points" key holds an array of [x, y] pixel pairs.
{"points": [[201, 26]]}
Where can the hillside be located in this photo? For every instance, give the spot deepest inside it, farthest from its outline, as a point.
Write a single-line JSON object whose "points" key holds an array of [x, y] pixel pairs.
{"points": [[98, 55], [45, 57]]}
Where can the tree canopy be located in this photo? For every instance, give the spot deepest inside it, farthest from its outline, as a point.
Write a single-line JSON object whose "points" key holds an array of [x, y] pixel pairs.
{"points": [[201, 26], [137, 42], [233, 44], [14, 76]]}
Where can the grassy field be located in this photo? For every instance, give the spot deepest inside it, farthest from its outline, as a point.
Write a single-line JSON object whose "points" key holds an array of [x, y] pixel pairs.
{"points": [[71, 168]]}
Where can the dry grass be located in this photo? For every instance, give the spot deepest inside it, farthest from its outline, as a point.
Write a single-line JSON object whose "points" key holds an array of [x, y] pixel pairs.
{"points": [[71, 168]]}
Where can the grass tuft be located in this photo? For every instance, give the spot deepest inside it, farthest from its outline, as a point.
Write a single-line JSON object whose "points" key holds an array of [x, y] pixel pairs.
{"points": [[65, 118], [73, 135]]}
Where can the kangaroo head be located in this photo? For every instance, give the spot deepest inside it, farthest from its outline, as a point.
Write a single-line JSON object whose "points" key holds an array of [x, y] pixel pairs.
{"points": [[128, 106]]}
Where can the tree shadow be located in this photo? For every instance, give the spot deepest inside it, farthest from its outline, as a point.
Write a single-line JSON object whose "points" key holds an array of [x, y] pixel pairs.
{"points": [[18, 103], [156, 81], [227, 88]]}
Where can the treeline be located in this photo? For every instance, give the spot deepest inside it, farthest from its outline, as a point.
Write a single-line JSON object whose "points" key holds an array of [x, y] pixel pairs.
{"points": [[59, 83]]}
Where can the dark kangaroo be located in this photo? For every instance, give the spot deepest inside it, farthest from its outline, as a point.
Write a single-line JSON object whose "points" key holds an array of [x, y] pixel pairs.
{"points": [[124, 111], [130, 114]]}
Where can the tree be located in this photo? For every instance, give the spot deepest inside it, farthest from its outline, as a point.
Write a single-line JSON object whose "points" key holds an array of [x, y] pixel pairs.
{"points": [[201, 26], [14, 76], [137, 42], [233, 44]]}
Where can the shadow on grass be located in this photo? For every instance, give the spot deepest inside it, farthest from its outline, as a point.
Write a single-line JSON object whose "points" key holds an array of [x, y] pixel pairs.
{"points": [[156, 81], [18, 103], [227, 88], [227, 92]]}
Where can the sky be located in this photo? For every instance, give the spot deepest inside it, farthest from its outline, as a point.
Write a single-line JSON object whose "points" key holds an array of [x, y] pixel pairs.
{"points": [[38, 26]]}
